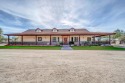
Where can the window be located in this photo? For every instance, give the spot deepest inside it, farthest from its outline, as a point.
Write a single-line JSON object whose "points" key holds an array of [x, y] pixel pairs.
{"points": [[54, 30], [76, 39], [39, 38], [72, 30], [58, 39], [88, 38], [54, 39], [38, 30], [72, 39]]}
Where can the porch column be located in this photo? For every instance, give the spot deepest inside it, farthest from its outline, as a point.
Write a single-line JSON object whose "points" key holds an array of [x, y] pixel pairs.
{"points": [[62, 39], [8, 40], [94, 39], [99, 41], [15, 41], [79, 40], [69, 38], [36, 40], [22, 40], [100, 38], [109, 39], [50, 39]]}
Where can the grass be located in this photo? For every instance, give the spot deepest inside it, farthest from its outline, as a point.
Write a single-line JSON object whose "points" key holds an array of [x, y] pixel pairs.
{"points": [[32, 47], [59, 47], [96, 48]]}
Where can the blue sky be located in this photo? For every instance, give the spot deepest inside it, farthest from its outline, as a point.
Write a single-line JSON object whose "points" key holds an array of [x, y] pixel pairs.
{"points": [[94, 15]]}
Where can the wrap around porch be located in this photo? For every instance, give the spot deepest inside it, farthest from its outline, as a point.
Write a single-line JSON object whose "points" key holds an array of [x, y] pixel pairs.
{"points": [[52, 40]]}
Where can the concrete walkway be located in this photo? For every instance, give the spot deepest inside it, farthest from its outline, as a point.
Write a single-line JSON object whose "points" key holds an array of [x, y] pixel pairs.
{"points": [[3, 44], [119, 45], [66, 47]]}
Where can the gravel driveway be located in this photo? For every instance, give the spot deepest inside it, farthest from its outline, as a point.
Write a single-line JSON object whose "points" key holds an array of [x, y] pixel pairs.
{"points": [[61, 66]]}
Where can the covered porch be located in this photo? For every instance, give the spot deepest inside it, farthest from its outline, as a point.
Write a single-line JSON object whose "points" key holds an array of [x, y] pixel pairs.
{"points": [[60, 39]]}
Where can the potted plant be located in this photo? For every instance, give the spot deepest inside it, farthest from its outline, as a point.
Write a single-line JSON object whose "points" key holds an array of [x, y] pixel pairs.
{"points": [[71, 43], [61, 43]]}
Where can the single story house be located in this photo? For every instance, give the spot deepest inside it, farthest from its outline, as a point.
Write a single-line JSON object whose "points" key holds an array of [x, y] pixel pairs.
{"points": [[57, 36]]}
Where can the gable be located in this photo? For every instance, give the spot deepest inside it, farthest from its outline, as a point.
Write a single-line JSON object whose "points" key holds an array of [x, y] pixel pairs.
{"points": [[56, 30]]}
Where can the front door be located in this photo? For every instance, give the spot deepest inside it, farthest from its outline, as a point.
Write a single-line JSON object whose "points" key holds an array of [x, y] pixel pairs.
{"points": [[65, 40]]}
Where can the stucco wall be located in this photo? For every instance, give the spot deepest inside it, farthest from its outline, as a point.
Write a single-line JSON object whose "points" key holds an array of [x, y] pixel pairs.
{"points": [[84, 38], [27, 38], [47, 38], [44, 38], [60, 38]]}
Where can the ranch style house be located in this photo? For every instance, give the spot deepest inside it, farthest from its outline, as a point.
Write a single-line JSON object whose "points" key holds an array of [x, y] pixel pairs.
{"points": [[79, 37]]}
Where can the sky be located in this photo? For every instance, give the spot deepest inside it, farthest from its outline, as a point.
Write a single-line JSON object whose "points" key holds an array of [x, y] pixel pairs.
{"points": [[94, 15]]}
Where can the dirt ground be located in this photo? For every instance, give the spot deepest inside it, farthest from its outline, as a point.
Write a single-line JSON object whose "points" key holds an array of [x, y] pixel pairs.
{"points": [[42, 66]]}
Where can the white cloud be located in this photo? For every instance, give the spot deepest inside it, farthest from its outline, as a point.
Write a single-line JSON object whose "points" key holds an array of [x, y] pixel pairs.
{"points": [[59, 13], [7, 29], [44, 11]]}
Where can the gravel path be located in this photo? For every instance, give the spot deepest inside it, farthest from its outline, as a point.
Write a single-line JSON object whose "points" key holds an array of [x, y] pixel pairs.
{"points": [[60, 66]]}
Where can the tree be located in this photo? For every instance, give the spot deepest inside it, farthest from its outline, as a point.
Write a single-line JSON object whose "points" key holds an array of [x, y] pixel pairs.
{"points": [[14, 39], [122, 39], [118, 34], [1, 34]]}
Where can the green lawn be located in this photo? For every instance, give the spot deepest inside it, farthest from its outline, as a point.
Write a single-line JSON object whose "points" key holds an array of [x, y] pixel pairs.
{"points": [[59, 47], [32, 47], [96, 48]]}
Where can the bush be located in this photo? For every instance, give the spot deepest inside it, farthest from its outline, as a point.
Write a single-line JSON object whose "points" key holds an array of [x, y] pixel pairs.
{"points": [[61, 43], [71, 42]]}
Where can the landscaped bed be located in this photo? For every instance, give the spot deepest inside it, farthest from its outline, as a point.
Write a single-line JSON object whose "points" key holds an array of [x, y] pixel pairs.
{"points": [[96, 48], [32, 47]]}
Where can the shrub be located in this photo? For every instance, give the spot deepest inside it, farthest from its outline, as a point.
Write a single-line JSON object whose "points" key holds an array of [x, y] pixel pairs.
{"points": [[61, 43], [71, 42]]}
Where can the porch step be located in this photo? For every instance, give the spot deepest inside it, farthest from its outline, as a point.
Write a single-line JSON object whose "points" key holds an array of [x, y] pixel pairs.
{"points": [[66, 47]]}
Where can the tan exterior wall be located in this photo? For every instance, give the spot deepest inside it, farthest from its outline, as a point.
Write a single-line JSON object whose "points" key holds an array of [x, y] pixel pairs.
{"points": [[19, 38], [84, 38], [44, 38], [47, 38], [27, 38], [73, 36], [60, 38]]}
